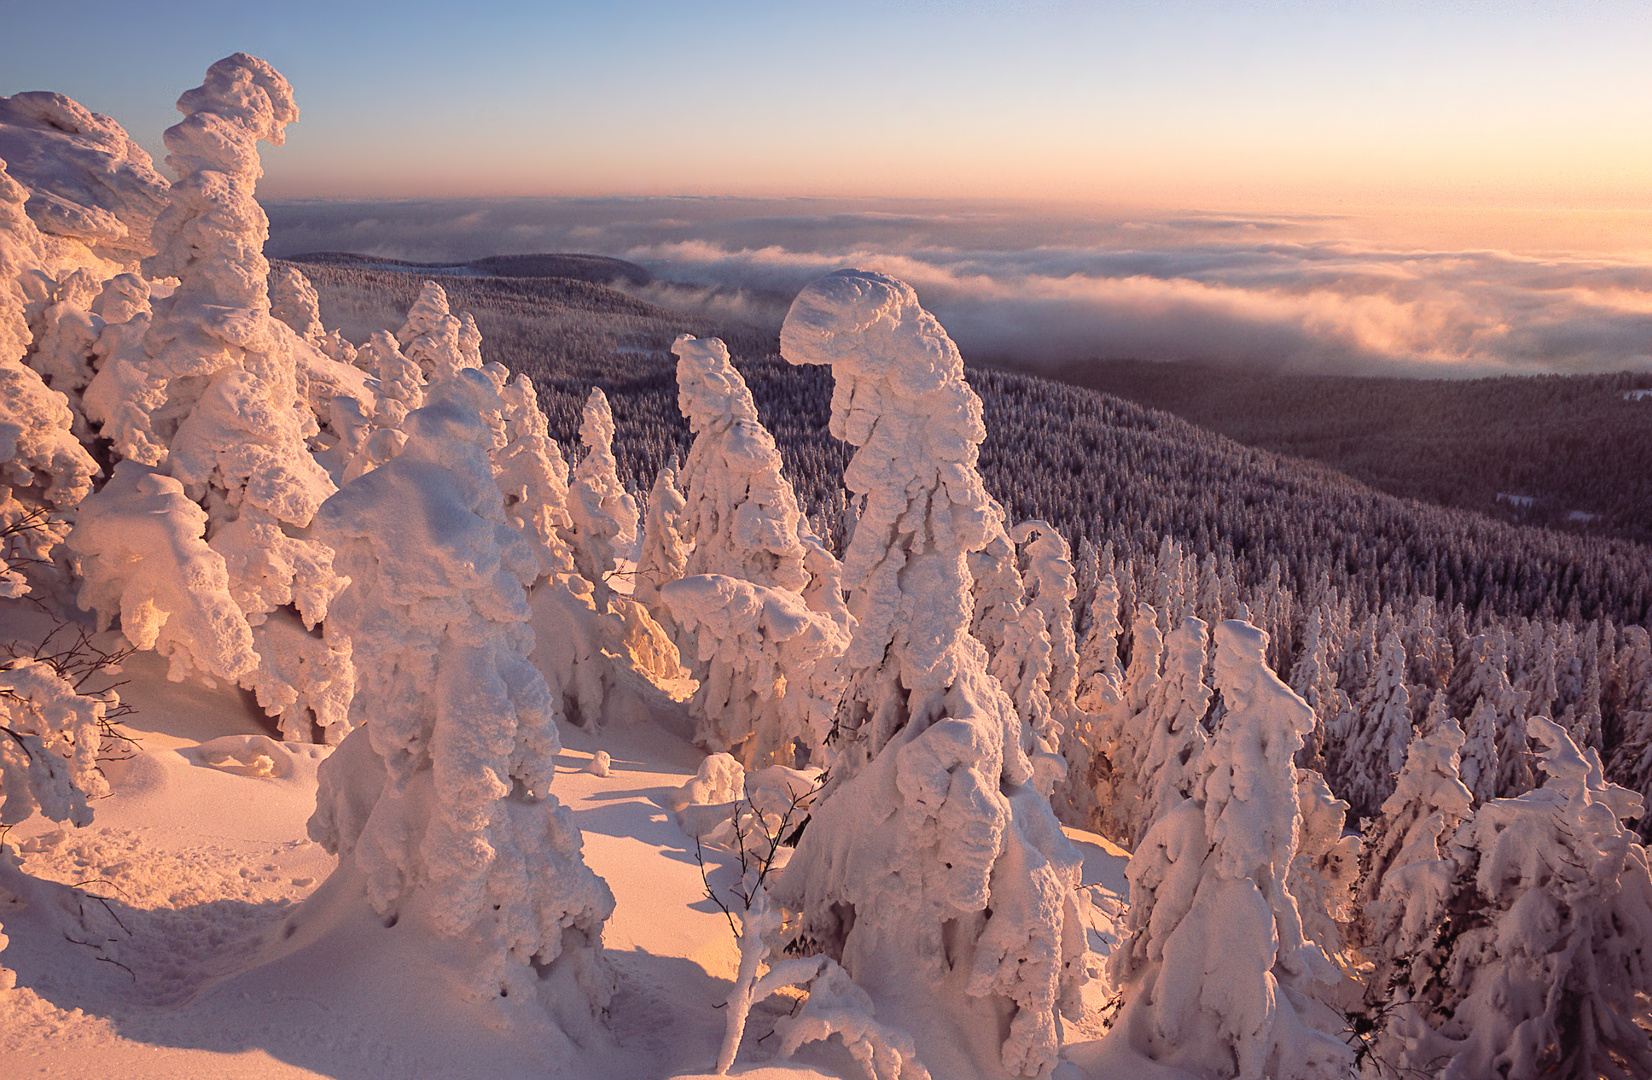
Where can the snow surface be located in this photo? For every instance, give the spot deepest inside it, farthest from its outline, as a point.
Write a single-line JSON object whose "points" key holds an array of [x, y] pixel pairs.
{"points": [[200, 854]]}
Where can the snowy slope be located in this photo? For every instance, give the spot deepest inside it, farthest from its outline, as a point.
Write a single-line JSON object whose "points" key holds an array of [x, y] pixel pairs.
{"points": [[190, 871]]}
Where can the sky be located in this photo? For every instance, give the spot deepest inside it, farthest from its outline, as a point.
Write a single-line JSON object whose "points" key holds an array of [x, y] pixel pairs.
{"points": [[1298, 105], [1438, 188]]}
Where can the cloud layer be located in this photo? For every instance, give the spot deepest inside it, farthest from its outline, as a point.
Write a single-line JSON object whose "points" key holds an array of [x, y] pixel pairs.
{"points": [[1014, 283]]}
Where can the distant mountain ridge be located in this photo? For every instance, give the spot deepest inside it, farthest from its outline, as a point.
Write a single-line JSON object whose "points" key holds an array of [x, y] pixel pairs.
{"points": [[598, 269]]}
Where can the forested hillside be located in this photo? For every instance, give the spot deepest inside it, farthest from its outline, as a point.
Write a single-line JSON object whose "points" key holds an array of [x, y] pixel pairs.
{"points": [[1570, 451], [1098, 467]]}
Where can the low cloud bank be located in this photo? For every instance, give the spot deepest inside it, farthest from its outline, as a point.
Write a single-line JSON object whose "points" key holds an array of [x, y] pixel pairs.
{"points": [[1021, 284]]}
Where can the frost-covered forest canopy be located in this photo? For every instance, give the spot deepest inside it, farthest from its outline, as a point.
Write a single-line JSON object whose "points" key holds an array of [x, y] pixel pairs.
{"points": [[476, 670]]}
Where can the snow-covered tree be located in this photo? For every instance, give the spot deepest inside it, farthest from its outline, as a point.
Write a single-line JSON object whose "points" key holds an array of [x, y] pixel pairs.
{"points": [[222, 407], [1535, 963], [1368, 762], [43, 468], [1163, 742], [142, 556], [741, 517], [533, 476], [931, 869], [604, 514], [1100, 682], [439, 800], [1407, 874], [50, 735], [1217, 974], [764, 660], [663, 554], [1117, 731], [432, 336]]}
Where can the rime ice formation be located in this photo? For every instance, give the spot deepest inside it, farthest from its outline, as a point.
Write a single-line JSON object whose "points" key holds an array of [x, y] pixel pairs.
{"points": [[295, 302], [50, 736], [763, 659], [1550, 975], [1408, 876], [440, 798], [431, 337], [1164, 741], [218, 398], [756, 649], [604, 514], [1217, 974], [1375, 750], [141, 553], [533, 476], [741, 516], [42, 464], [662, 556], [92, 190], [243, 431], [932, 823]]}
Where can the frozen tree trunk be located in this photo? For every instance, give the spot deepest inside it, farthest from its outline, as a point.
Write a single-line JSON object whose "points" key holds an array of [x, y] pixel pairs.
{"points": [[440, 797], [1217, 973], [932, 869]]}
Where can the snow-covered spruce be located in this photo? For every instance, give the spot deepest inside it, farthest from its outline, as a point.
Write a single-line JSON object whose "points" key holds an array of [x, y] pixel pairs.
{"points": [[43, 468], [140, 549], [765, 662], [1534, 962], [440, 798], [1407, 877], [931, 869], [49, 740], [93, 191], [222, 405], [1216, 972], [603, 513], [1162, 743], [662, 554]]}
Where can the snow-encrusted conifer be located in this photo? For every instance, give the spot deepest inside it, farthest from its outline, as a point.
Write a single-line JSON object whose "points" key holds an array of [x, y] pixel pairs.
{"points": [[50, 735], [440, 797], [1164, 740], [763, 659], [742, 517], [142, 555], [533, 476], [1217, 973], [604, 514], [1117, 730], [234, 423], [1407, 876], [663, 554], [930, 868], [431, 336], [1549, 976], [1376, 748], [43, 468], [1100, 682]]}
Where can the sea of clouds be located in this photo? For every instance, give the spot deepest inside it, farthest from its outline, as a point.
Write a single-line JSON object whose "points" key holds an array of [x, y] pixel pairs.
{"points": [[1016, 283]]}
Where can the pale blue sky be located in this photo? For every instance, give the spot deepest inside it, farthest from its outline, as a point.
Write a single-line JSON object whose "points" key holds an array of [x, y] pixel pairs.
{"points": [[1244, 104]]}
